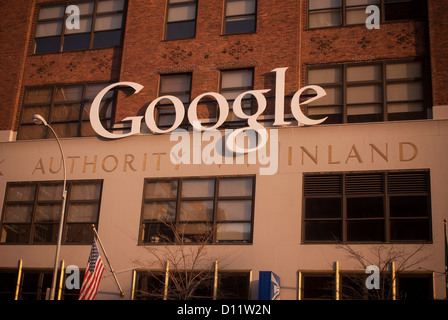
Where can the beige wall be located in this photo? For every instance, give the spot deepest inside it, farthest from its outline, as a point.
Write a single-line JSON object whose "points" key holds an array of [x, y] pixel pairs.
{"points": [[278, 200]]}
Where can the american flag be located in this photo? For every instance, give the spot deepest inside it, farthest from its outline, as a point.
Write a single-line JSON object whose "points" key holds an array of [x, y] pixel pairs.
{"points": [[92, 276]]}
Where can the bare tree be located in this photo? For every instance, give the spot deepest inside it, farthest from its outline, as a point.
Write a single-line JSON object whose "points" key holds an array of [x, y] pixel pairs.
{"points": [[353, 284], [179, 265]]}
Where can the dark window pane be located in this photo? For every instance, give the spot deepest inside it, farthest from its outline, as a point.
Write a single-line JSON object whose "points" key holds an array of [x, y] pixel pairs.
{"points": [[30, 285], [385, 291], [368, 207], [45, 284], [7, 285], [322, 230], [15, 233], [79, 233], [417, 229], [365, 118], [404, 10], [150, 286], [415, 288], [365, 230], [107, 39], [35, 285], [332, 118], [158, 232], [46, 233], [194, 286], [240, 25], [318, 287], [202, 286], [233, 286], [415, 206], [406, 116], [76, 42], [47, 45], [323, 208], [353, 286], [180, 30]]}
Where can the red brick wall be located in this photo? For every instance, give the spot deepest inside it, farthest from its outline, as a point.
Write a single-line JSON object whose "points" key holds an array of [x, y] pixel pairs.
{"points": [[56, 68], [281, 40], [14, 26], [438, 35], [146, 55], [357, 43]]}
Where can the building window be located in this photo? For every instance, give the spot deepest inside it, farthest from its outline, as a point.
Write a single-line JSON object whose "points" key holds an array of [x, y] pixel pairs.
{"points": [[181, 19], [352, 286], [323, 13], [233, 285], [33, 285], [8, 283], [367, 207], [380, 91], [100, 26], [32, 209], [394, 10], [415, 286], [233, 83], [198, 210], [332, 13], [240, 16], [66, 108], [178, 85], [409, 285], [317, 286]]}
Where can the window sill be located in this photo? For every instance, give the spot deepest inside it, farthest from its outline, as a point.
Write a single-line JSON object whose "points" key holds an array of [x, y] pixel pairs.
{"points": [[363, 24], [72, 51], [348, 243], [156, 244], [238, 34]]}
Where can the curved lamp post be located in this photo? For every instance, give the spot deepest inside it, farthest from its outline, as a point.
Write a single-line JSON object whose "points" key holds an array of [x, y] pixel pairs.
{"points": [[38, 119]]}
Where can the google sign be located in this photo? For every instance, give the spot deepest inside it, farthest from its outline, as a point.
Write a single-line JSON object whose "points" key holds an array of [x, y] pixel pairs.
{"points": [[223, 107]]}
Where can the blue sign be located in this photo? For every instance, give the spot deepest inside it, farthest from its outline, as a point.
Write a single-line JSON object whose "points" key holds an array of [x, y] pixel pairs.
{"points": [[268, 286]]}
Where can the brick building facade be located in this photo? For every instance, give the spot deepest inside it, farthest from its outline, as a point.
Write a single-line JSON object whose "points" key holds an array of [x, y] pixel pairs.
{"points": [[386, 103]]}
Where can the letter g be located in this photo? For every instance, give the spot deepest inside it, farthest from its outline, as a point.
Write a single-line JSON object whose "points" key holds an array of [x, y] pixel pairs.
{"points": [[95, 113]]}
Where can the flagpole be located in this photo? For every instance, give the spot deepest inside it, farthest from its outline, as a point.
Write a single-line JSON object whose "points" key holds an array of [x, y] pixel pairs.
{"points": [[107, 259], [446, 263]]}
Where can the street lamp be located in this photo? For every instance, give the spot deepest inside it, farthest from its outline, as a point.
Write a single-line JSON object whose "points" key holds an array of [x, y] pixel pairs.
{"points": [[38, 119]]}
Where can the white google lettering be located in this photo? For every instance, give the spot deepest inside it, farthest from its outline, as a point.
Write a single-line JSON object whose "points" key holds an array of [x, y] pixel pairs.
{"points": [[95, 113], [223, 108]]}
